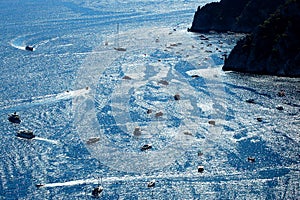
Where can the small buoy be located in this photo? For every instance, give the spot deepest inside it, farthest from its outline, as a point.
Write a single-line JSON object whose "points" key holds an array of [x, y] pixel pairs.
{"points": [[137, 131], [151, 183], [200, 169], [87, 88], [177, 97], [251, 159], [212, 122]]}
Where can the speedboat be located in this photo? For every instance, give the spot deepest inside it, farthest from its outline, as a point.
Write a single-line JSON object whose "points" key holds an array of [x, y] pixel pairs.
{"points": [[250, 101], [14, 118], [151, 183], [97, 191], [200, 169], [29, 48], [146, 147], [120, 49], [39, 185], [25, 134]]}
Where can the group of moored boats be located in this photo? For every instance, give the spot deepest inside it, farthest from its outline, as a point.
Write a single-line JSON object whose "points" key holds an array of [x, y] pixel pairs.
{"points": [[15, 119]]}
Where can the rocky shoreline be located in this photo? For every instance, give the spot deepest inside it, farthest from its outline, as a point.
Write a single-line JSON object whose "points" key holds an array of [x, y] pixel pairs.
{"points": [[272, 43]]}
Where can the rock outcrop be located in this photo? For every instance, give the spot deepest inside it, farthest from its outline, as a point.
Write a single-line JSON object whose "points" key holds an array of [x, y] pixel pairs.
{"points": [[272, 44], [233, 15]]}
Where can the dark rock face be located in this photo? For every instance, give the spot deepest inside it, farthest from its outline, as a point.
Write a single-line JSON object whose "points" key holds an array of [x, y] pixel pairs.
{"points": [[233, 15], [217, 16], [273, 48]]}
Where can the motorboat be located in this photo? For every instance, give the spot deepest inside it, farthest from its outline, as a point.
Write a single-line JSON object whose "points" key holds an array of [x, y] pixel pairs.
{"points": [[92, 140], [97, 191], [14, 118], [200, 169], [212, 122], [250, 101], [39, 185], [27, 134], [120, 49], [177, 97], [137, 131], [146, 147], [251, 159], [29, 48], [151, 183]]}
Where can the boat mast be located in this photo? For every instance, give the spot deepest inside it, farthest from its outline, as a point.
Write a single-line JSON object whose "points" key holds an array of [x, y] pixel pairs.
{"points": [[118, 48], [118, 45]]}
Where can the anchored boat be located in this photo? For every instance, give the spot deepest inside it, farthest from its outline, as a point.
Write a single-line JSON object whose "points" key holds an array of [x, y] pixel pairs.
{"points": [[146, 147], [14, 118]]}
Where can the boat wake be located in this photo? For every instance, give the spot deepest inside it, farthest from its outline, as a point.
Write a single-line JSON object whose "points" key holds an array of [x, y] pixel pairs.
{"points": [[40, 100], [18, 47], [19, 43], [194, 176], [47, 140]]}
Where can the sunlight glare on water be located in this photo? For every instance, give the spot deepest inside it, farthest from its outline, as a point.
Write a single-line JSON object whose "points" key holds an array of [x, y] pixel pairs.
{"points": [[92, 108]]}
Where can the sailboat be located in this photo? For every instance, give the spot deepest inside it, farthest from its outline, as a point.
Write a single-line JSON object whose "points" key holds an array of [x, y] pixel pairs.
{"points": [[118, 48]]}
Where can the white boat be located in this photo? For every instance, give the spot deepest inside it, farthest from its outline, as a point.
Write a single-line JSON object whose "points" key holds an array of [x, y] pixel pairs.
{"points": [[151, 183]]}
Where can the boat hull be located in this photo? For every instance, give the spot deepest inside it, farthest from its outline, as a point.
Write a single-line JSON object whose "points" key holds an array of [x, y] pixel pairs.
{"points": [[25, 134]]}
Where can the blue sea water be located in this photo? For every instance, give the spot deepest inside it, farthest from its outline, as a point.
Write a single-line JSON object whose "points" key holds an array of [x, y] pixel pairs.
{"points": [[75, 86]]}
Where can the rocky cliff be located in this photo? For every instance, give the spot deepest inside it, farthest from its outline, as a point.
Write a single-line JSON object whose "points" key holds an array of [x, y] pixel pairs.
{"points": [[272, 45], [233, 15]]}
